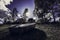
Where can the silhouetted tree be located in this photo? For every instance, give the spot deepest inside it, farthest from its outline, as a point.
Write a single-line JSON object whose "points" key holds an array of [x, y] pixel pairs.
{"points": [[14, 13], [24, 14], [26, 10], [46, 5], [31, 20]]}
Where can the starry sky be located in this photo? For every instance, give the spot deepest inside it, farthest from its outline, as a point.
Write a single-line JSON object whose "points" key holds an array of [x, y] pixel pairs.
{"points": [[21, 5]]}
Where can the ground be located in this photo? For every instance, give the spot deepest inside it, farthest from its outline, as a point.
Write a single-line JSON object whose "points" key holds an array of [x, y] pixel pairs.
{"points": [[52, 31]]}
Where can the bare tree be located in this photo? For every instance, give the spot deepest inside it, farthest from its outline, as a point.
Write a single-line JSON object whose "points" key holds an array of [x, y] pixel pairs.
{"points": [[14, 13]]}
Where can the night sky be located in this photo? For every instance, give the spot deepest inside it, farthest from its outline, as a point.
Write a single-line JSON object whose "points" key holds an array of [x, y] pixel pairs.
{"points": [[21, 5]]}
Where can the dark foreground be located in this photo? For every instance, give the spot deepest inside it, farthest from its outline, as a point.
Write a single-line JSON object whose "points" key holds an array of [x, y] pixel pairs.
{"points": [[52, 32], [24, 34]]}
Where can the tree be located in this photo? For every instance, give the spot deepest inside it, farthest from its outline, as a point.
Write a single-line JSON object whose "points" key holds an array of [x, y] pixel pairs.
{"points": [[24, 14], [14, 13], [46, 5]]}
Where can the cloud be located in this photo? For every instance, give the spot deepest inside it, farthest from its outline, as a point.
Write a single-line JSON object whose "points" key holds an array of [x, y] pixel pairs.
{"points": [[6, 2], [3, 3]]}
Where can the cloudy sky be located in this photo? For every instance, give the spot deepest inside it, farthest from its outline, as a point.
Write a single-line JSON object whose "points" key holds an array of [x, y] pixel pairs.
{"points": [[21, 5], [3, 3]]}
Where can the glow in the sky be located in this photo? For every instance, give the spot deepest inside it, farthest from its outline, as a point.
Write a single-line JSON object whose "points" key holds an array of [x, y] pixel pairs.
{"points": [[21, 5], [29, 14]]}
